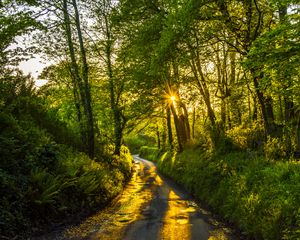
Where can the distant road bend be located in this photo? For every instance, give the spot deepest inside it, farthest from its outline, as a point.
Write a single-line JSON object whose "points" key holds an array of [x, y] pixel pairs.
{"points": [[151, 207]]}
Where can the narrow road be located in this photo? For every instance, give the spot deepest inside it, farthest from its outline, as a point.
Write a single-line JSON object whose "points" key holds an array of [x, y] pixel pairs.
{"points": [[151, 207]]}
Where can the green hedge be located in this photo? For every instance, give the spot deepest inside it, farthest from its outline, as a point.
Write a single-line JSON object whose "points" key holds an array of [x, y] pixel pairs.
{"points": [[261, 197], [151, 153]]}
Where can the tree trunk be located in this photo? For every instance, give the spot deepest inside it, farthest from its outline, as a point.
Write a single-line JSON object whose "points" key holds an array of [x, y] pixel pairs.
{"points": [[186, 126], [76, 95], [233, 101], [74, 70], [158, 137], [164, 134], [118, 125], [266, 107], [254, 114], [193, 122], [86, 86], [223, 113], [201, 81], [289, 113], [178, 127], [169, 126], [118, 134], [229, 124], [204, 92], [298, 135]]}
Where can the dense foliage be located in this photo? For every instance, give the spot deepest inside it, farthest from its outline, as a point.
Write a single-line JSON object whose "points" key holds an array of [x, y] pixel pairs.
{"points": [[213, 83]]}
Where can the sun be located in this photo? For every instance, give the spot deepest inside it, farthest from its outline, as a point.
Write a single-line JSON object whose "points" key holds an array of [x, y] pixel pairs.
{"points": [[173, 98]]}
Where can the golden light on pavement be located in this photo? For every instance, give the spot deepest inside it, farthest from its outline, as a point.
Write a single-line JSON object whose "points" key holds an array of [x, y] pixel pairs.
{"points": [[176, 221]]}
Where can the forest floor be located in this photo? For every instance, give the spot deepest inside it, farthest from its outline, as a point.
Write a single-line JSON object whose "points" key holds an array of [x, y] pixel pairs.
{"points": [[150, 207]]}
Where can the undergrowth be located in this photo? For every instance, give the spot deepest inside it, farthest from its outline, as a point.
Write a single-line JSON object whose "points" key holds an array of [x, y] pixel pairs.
{"points": [[73, 184]]}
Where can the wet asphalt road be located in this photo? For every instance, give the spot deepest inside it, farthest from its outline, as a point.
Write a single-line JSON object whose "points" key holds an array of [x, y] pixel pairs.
{"points": [[151, 207]]}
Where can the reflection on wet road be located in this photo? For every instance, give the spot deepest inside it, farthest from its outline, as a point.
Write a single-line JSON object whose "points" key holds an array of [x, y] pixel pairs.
{"points": [[151, 207]]}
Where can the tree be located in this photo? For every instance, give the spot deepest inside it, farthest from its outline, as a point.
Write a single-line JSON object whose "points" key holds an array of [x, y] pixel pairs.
{"points": [[276, 53], [15, 22], [106, 52], [80, 78]]}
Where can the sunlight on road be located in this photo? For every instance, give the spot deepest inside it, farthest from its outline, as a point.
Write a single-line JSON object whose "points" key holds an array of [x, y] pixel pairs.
{"points": [[110, 223], [176, 221], [150, 208]]}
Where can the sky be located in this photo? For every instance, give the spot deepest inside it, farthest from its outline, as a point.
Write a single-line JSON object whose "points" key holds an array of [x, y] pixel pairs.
{"points": [[34, 67]]}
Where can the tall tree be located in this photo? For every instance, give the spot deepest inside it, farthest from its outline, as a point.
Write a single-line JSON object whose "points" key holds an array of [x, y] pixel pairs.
{"points": [[106, 42], [80, 78]]}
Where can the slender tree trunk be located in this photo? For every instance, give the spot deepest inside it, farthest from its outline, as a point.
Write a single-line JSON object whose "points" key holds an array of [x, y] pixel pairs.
{"points": [[158, 137], [266, 108], [298, 135], [201, 81], [86, 86], [289, 113], [281, 115], [74, 69], [223, 113], [169, 126], [233, 101], [178, 128], [186, 122], [204, 93], [114, 100], [164, 134], [254, 114], [249, 105], [222, 82], [76, 95], [193, 122], [229, 124]]}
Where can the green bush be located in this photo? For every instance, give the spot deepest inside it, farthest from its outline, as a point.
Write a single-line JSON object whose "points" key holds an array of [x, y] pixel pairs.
{"points": [[151, 153], [74, 185], [251, 137], [278, 148], [134, 143], [125, 162]]}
